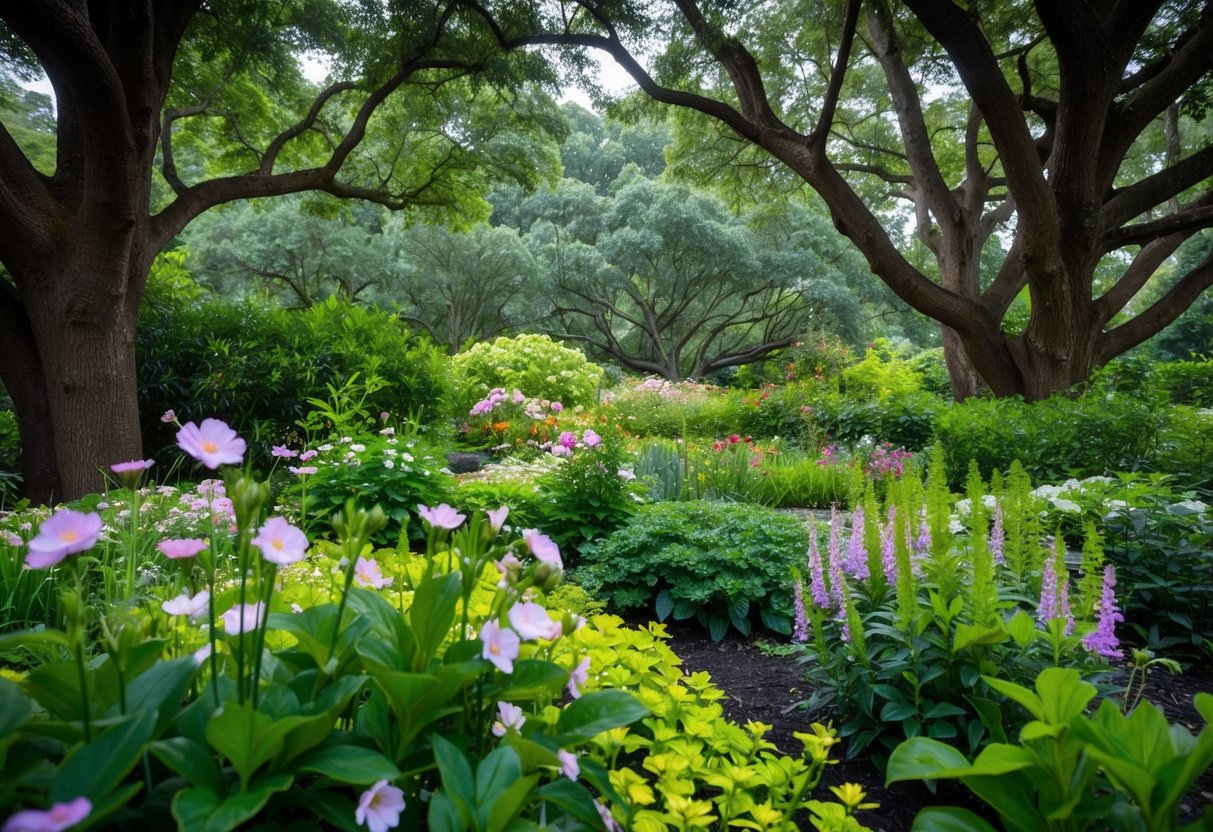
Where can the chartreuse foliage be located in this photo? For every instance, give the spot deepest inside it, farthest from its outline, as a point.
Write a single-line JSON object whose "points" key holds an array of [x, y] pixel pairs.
{"points": [[1069, 771], [684, 766], [535, 364]]}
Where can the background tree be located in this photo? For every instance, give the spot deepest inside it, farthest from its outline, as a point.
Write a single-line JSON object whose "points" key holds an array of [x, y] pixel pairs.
{"points": [[212, 98], [289, 251], [1060, 103], [665, 280], [462, 286]]}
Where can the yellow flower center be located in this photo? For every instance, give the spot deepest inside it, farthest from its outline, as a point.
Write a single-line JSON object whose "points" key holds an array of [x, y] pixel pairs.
{"points": [[277, 543], [495, 649], [209, 447], [69, 536]]}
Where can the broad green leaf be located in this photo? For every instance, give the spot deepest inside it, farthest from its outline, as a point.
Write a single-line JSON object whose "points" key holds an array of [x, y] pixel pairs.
{"points": [[495, 774], [202, 810], [922, 758], [56, 687], [15, 708], [599, 711], [96, 768], [968, 635], [190, 760], [161, 689], [431, 615], [573, 798], [664, 604], [348, 764], [502, 809], [949, 819], [458, 779], [247, 738], [1019, 694]]}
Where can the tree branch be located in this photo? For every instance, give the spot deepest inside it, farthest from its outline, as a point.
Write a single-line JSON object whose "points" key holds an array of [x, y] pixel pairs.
{"points": [[1145, 194], [1170, 306], [1195, 215], [1145, 263]]}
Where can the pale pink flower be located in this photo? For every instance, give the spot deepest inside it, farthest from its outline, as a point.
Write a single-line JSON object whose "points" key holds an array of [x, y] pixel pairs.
{"points": [[531, 621], [55, 819], [243, 618], [280, 542], [135, 465], [178, 549], [500, 645], [307, 456], [202, 654], [368, 573], [542, 547], [569, 766], [302, 470], [568, 439], [65, 533], [590, 438], [578, 678], [169, 417], [213, 443], [441, 517], [626, 474], [608, 820], [184, 604], [380, 807], [561, 450], [509, 716], [283, 452], [497, 517], [557, 407], [15, 540]]}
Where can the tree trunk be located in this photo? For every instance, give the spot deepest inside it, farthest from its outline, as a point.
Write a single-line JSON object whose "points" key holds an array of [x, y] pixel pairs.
{"points": [[26, 384], [85, 329], [966, 381]]}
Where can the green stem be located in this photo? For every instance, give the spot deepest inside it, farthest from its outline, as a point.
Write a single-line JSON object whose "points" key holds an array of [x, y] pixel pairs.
{"points": [[271, 574], [84, 698]]}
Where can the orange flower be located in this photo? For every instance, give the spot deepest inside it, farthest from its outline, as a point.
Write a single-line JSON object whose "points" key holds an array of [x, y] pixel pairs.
{"points": [[501, 427]]}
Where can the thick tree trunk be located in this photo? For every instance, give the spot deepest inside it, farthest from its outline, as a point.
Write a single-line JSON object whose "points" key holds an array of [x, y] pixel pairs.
{"points": [[85, 331], [966, 381]]}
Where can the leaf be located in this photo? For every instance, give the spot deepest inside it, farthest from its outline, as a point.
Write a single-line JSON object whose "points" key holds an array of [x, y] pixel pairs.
{"points": [[457, 776], [495, 773], [599, 711], [431, 615], [190, 760], [949, 819], [718, 625], [15, 708], [968, 635], [96, 768], [202, 810], [161, 689], [663, 604], [897, 711], [351, 764], [247, 738], [921, 758]]}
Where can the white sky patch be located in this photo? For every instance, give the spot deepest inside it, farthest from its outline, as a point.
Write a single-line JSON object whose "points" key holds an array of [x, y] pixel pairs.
{"points": [[611, 78]]}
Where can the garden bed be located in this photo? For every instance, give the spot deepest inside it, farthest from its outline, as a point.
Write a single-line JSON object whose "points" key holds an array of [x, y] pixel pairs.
{"points": [[765, 687]]}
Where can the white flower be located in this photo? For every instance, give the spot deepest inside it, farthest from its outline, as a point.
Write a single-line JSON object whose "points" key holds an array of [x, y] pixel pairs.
{"points": [[510, 716], [389, 464], [184, 604], [531, 621], [569, 766], [357, 447]]}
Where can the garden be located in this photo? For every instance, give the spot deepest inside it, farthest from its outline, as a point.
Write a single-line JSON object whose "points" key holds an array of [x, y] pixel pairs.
{"points": [[515, 603], [403, 425]]}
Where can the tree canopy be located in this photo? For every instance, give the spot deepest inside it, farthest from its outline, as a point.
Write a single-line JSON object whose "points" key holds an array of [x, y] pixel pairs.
{"points": [[1078, 132]]}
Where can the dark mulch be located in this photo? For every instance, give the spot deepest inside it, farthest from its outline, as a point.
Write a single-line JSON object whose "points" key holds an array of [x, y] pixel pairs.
{"points": [[767, 688]]}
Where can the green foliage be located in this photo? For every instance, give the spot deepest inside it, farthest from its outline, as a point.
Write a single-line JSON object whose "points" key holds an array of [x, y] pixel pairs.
{"points": [[395, 473], [256, 367], [905, 420], [883, 372], [933, 371], [588, 495], [535, 364], [1069, 771], [1054, 439], [10, 457], [724, 565]]}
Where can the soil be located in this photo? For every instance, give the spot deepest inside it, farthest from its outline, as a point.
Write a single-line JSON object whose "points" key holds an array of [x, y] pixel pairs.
{"points": [[767, 688]]}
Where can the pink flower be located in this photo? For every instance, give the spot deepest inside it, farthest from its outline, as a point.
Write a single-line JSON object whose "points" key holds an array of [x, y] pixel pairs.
{"points": [[509, 716], [178, 549], [497, 517], [368, 573], [202, 654], [500, 645], [55, 819], [1103, 640], [441, 517], [65, 533], [518, 397], [561, 450], [280, 542], [590, 438], [578, 678], [307, 455], [542, 547], [568, 439], [283, 452], [169, 417], [608, 820], [243, 618], [213, 444], [380, 807], [183, 604], [569, 766], [302, 470], [531, 621], [557, 407], [135, 465]]}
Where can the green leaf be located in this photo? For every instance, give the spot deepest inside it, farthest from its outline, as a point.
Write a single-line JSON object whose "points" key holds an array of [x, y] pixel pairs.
{"points": [[922, 758], [160, 689], [457, 776], [95, 769], [495, 773], [572, 798], [15, 708], [949, 819], [718, 625], [202, 810], [444, 815], [1018, 693], [190, 760], [248, 738], [532, 677], [664, 604], [897, 711], [351, 764], [599, 711], [968, 635], [431, 615], [56, 687]]}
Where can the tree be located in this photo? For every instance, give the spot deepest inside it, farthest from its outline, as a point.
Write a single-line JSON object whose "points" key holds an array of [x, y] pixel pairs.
{"points": [[1034, 120], [463, 286], [167, 109], [665, 280], [291, 252]]}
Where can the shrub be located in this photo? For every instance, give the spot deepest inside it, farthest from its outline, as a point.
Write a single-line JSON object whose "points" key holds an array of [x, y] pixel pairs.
{"points": [[721, 564], [906, 420], [257, 367], [535, 364], [1187, 382], [1055, 439], [883, 372], [932, 368], [10, 457], [512, 423]]}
